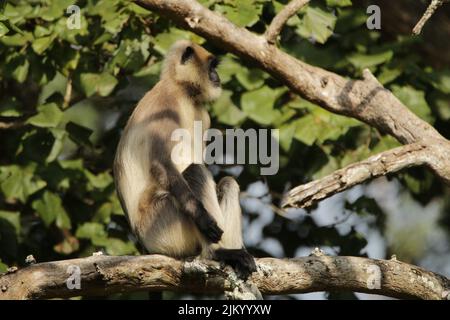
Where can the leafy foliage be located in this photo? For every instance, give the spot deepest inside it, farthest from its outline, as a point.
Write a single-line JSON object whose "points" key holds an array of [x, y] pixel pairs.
{"points": [[73, 89]]}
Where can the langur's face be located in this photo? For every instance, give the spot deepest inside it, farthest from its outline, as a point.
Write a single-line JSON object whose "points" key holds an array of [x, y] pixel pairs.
{"points": [[212, 72]]}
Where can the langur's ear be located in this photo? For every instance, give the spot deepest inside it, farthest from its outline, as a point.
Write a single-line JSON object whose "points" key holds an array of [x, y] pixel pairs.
{"points": [[187, 54]]}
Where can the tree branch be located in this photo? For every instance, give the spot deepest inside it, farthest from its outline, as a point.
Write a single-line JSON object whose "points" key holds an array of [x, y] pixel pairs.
{"points": [[378, 165], [281, 18], [103, 275], [11, 125], [434, 5], [366, 99]]}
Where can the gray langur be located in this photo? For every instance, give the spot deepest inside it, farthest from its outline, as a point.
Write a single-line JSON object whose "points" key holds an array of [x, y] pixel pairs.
{"points": [[176, 209]]}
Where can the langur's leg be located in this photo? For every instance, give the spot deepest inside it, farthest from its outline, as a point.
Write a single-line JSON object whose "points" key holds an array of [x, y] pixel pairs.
{"points": [[162, 228], [226, 210], [201, 182], [232, 248]]}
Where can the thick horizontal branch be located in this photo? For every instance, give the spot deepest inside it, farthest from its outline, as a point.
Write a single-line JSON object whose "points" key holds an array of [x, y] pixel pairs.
{"points": [[282, 17], [378, 165], [434, 5], [103, 275]]}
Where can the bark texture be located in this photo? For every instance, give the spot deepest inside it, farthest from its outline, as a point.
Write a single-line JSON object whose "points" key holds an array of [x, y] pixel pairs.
{"points": [[103, 275]]}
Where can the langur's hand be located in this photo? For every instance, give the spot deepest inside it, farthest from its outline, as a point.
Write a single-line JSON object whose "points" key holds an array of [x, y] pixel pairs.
{"points": [[209, 228]]}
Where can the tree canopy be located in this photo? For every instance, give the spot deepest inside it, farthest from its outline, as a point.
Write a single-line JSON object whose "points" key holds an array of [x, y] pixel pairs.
{"points": [[66, 94]]}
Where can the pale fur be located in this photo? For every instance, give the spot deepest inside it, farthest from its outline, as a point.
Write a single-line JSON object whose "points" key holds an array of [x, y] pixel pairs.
{"points": [[164, 229]]}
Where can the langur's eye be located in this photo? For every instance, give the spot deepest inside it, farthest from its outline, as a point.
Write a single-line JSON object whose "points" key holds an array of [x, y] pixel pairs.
{"points": [[214, 62]]}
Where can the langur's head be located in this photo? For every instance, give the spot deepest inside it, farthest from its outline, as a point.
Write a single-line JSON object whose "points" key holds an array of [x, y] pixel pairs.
{"points": [[194, 69]]}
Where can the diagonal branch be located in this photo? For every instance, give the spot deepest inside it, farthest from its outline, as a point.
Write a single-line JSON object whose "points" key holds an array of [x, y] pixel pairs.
{"points": [[103, 275], [434, 5], [281, 18], [366, 99], [378, 165]]}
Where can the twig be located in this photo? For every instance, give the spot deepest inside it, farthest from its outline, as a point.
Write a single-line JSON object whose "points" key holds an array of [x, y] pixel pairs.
{"points": [[68, 93], [281, 18], [434, 5], [381, 164], [11, 125]]}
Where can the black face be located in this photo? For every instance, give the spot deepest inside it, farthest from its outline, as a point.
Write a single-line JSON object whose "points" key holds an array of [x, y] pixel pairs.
{"points": [[212, 73]]}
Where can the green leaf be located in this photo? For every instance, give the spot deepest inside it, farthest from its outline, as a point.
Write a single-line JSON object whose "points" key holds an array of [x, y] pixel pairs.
{"points": [[103, 214], [41, 31], [102, 84], [339, 3], [63, 220], [106, 84], [10, 107], [321, 125], [3, 267], [95, 232], [414, 100], [385, 143], [42, 44], [49, 116], [100, 181], [388, 74], [361, 61], [58, 144], [115, 246], [152, 70], [326, 57], [441, 80], [317, 24], [16, 40], [228, 67], [3, 29], [226, 111], [116, 206], [163, 41], [243, 13], [306, 130], [250, 78], [76, 164], [259, 104], [131, 54], [441, 104], [17, 66], [78, 133], [55, 10], [50, 208], [350, 19], [88, 83], [19, 182], [91, 230], [13, 218], [115, 23], [287, 133]]}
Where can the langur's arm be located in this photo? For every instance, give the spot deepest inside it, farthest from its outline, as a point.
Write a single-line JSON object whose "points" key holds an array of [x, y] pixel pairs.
{"points": [[168, 177]]}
